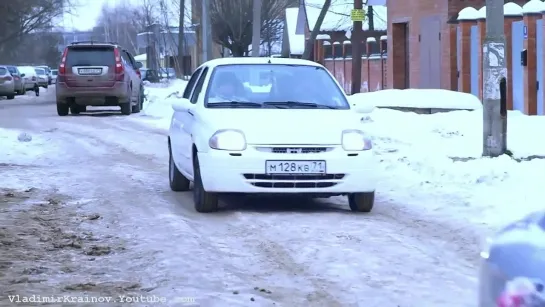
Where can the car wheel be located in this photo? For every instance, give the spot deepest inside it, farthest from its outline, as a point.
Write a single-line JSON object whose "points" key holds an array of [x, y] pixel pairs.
{"points": [[136, 107], [361, 202], [177, 181], [126, 108], [141, 101], [204, 201], [11, 97], [62, 109], [37, 91]]}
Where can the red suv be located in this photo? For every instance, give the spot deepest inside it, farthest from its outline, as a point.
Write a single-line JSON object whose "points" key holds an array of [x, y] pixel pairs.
{"points": [[98, 74]]}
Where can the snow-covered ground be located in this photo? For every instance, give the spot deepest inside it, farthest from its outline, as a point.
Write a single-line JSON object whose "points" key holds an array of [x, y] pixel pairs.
{"points": [[157, 109], [433, 163]]}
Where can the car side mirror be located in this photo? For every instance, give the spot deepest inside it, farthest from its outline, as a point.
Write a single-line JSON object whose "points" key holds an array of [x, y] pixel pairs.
{"points": [[22, 75], [182, 105], [139, 65]]}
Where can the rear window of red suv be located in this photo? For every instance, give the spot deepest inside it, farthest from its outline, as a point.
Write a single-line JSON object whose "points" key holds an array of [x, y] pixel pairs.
{"points": [[90, 56]]}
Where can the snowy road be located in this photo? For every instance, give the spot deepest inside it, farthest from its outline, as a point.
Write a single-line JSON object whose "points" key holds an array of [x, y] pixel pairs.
{"points": [[93, 215]]}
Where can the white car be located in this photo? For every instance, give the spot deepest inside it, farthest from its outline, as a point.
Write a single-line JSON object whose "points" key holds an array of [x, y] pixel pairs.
{"points": [[296, 135]]}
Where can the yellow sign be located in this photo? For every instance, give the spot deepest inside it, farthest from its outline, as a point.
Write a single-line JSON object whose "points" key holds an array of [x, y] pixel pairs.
{"points": [[357, 15]]}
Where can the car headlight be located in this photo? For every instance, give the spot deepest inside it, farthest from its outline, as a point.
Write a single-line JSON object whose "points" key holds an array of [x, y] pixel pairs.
{"points": [[355, 140], [485, 248], [228, 139]]}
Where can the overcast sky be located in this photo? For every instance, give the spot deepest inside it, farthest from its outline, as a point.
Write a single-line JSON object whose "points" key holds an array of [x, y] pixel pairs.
{"points": [[86, 13]]}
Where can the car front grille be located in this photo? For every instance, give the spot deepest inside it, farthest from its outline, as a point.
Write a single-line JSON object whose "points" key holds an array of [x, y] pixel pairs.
{"points": [[294, 150], [294, 181]]}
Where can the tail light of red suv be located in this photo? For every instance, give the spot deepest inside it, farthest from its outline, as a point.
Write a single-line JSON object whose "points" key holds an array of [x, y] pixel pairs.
{"points": [[62, 67], [119, 69]]}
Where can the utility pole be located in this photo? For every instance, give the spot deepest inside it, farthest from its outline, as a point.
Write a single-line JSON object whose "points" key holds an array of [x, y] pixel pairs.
{"points": [[370, 18], [357, 33], [256, 28], [181, 42], [494, 76], [206, 32]]}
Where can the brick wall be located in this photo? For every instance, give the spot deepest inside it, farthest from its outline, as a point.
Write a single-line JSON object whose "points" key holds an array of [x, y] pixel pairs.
{"points": [[413, 12], [373, 73]]}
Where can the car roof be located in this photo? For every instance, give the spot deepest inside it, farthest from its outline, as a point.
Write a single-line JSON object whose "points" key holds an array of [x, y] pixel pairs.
{"points": [[93, 44], [260, 60]]}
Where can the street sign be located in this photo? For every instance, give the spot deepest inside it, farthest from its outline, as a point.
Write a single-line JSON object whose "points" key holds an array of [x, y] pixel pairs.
{"points": [[357, 15], [525, 32]]}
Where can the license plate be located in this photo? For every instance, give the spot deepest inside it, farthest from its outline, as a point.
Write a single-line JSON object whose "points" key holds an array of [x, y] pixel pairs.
{"points": [[278, 167], [90, 71]]}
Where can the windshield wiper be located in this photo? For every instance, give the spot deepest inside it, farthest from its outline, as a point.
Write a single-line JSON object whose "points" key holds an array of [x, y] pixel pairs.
{"points": [[290, 104], [235, 104]]}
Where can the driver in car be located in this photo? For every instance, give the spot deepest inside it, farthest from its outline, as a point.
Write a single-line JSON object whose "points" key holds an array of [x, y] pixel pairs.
{"points": [[226, 87]]}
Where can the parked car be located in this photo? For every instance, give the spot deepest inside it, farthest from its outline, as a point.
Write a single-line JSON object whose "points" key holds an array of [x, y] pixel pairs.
{"points": [[48, 73], [54, 73], [168, 73], [512, 265], [98, 74], [150, 75], [7, 84], [221, 139], [19, 82], [43, 80], [30, 78]]}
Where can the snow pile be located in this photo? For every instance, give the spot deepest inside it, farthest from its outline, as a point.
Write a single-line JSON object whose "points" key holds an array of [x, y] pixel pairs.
{"points": [[433, 162], [419, 98], [20, 147], [157, 109]]}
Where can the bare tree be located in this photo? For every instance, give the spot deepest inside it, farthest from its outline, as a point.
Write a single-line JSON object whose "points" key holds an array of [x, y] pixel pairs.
{"points": [[118, 23], [310, 43], [232, 21], [272, 34], [19, 18]]}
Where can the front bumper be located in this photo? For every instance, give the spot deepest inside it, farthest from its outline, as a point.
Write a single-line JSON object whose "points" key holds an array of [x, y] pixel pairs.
{"points": [[224, 171]]}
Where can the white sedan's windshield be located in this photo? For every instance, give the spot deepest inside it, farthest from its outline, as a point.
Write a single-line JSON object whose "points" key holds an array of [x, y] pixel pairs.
{"points": [[273, 85]]}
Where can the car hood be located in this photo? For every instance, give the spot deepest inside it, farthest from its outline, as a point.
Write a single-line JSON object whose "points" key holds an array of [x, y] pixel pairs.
{"points": [[286, 126]]}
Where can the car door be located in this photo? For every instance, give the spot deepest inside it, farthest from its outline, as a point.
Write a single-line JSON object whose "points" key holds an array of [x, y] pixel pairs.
{"points": [[136, 81], [129, 68], [176, 125], [188, 123]]}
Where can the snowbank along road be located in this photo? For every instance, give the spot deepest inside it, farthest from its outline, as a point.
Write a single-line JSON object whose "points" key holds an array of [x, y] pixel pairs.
{"points": [[86, 211]]}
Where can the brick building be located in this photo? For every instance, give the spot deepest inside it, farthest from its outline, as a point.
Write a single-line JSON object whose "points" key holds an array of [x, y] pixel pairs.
{"points": [[333, 47], [422, 38]]}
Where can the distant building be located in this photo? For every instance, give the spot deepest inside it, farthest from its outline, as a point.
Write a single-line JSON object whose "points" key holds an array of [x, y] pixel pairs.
{"points": [[161, 44], [69, 37]]}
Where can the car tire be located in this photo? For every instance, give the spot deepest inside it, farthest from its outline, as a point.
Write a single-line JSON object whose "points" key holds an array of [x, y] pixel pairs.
{"points": [[141, 99], [11, 97], [62, 109], [37, 91], [204, 202], [126, 108], [136, 107], [177, 181], [361, 202]]}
